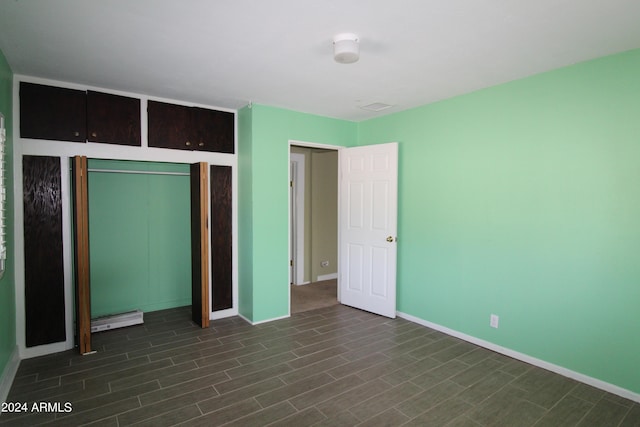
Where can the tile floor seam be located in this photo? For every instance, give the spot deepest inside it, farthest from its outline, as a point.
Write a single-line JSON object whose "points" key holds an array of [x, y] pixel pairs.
{"points": [[625, 415], [288, 399], [584, 416]]}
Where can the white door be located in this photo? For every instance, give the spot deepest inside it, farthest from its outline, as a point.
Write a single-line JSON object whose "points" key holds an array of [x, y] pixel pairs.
{"points": [[368, 226]]}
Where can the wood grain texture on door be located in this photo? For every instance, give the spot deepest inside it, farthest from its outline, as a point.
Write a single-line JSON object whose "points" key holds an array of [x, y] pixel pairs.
{"points": [[53, 113], [200, 244], [113, 119], [221, 238], [80, 193], [43, 262]]}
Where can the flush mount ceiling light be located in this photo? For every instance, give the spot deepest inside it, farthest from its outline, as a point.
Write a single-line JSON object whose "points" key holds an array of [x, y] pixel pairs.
{"points": [[346, 48]]}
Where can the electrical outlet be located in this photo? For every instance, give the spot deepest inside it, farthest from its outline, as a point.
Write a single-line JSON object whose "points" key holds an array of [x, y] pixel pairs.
{"points": [[494, 320], [324, 264]]}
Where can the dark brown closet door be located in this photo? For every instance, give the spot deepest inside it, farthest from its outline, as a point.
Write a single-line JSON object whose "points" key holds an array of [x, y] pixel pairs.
{"points": [[113, 119], [81, 253], [200, 244], [43, 264], [221, 238]]}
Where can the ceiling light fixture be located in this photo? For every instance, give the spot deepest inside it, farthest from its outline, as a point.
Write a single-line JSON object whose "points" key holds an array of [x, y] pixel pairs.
{"points": [[346, 48]]}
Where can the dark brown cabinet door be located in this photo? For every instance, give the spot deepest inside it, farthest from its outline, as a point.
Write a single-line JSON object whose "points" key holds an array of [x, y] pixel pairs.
{"points": [[213, 130], [190, 128], [168, 126], [54, 113], [113, 119]]}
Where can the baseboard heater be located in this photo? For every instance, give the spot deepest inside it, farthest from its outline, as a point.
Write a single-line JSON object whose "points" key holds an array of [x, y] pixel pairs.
{"points": [[115, 321]]}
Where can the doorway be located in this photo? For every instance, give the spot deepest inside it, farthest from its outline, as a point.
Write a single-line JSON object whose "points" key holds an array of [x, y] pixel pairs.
{"points": [[313, 227], [366, 225]]}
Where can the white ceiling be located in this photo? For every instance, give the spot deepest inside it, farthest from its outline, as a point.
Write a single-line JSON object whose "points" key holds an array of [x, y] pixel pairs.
{"points": [[279, 52]]}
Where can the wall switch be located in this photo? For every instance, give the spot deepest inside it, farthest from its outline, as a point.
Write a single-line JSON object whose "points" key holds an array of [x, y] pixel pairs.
{"points": [[493, 322], [324, 264]]}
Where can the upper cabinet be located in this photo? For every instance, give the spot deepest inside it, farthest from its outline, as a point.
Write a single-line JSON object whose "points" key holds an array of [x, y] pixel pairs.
{"points": [[190, 128], [54, 113], [113, 119], [61, 114], [48, 112]]}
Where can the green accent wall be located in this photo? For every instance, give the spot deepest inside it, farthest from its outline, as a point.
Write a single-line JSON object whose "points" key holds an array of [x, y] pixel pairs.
{"points": [[523, 200], [139, 237], [263, 162], [245, 210], [7, 283]]}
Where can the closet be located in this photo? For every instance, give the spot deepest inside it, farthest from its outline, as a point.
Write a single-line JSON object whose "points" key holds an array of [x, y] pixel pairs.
{"points": [[139, 224], [145, 234]]}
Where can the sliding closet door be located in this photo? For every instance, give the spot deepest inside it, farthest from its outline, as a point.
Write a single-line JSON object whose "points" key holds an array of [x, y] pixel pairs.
{"points": [[43, 263], [200, 244], [81, 253]]}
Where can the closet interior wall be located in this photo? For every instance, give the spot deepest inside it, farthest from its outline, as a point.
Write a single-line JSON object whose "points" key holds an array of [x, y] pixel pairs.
{"points": [[139, 226]]}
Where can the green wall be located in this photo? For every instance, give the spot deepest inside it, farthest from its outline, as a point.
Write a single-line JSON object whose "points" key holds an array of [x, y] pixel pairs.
{"points": [[263, 160], [245, 213], [523, 200], [139, 237], [7, 283]]}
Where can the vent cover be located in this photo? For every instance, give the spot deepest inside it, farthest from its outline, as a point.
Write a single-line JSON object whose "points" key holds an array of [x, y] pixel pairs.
{"points": [[376, 106]]}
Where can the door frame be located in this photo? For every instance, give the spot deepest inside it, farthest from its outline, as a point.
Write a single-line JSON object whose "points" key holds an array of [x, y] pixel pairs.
{"points": [[296, 204], [308, 144]]}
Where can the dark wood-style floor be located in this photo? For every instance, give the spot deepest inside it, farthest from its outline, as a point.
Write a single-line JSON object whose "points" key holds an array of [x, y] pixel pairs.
{"points": [[334, 366]]}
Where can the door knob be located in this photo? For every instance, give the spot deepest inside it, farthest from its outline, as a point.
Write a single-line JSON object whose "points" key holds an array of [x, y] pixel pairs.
{"points": [[389, 239]]}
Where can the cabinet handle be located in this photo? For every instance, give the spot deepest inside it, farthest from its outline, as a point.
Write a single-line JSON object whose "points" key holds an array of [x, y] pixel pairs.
{"points": [[201, 144], [188, 144], [94, 134], [76, 133]]}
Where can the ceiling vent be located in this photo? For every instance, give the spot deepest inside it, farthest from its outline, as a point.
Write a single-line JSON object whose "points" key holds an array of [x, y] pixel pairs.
{"points": [[376, 106]]}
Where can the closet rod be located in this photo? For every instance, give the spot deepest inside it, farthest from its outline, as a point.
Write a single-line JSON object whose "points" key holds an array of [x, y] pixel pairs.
{"points": [[139, 172]]}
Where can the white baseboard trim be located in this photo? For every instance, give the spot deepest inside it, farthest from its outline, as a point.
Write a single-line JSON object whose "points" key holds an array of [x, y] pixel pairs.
{"points": [[9, 374], [43, 350], [222, 314], [244, 318], [262, 321], [327, 277], [602, 385], [302, 283]]}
